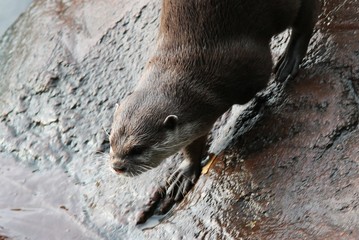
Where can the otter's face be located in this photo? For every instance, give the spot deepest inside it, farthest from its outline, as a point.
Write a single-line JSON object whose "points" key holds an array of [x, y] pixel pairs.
{"points": [[142, 136]]}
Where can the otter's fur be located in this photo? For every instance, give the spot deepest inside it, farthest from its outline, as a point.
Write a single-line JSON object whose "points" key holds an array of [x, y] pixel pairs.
{"points": [[210, 55]]}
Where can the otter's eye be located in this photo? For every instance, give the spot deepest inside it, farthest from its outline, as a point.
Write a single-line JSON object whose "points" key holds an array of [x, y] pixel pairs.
{"points": [[136, 150]]}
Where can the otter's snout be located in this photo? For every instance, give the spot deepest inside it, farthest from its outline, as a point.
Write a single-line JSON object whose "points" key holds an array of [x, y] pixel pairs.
{"points": [[119, 167]]}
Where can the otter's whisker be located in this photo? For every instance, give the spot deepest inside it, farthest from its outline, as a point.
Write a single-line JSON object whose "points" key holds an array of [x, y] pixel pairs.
{"points": [[144, 169], [103, 128], [148, 167]]}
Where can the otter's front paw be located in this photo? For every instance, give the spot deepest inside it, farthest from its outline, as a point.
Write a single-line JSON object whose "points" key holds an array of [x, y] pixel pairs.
{"points": [[178, 185], [182, 180]]}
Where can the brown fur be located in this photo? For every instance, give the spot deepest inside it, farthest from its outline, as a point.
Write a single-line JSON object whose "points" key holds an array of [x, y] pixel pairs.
{"points": [[210, 55]]}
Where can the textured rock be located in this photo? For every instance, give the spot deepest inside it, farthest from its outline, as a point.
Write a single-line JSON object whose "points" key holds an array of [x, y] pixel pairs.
{"points": [[287, 169]]}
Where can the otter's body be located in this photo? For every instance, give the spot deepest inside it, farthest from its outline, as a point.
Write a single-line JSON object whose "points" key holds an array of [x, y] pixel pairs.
{"points": [[210, 55]]}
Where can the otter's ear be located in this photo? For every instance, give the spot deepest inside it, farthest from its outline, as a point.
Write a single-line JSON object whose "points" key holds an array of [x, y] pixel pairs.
{"points": [[117, 106], [170, 122]]}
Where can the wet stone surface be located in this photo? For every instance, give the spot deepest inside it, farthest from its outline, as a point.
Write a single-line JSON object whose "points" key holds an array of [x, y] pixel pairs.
{"points": [[287, 168]]}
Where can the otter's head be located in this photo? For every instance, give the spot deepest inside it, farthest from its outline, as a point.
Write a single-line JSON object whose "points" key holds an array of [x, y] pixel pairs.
{"points": [[145, 131]]}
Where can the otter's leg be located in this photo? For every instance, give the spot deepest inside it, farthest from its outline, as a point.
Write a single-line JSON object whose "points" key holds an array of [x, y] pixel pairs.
{"points": [[182, 180], [302, 29]]}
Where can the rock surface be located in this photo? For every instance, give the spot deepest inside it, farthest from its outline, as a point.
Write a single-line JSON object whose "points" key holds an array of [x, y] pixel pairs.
{"points": [[287, 169]]}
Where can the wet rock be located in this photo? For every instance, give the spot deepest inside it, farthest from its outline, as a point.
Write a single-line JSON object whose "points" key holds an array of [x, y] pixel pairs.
{"points": [[287, 167]]}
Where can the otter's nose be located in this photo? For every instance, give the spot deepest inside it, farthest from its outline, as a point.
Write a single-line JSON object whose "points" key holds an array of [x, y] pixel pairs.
{"points": [[119, 167]]}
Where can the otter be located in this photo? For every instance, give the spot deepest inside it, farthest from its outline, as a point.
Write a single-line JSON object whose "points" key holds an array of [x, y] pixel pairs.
{"points": [[209, 56]]}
